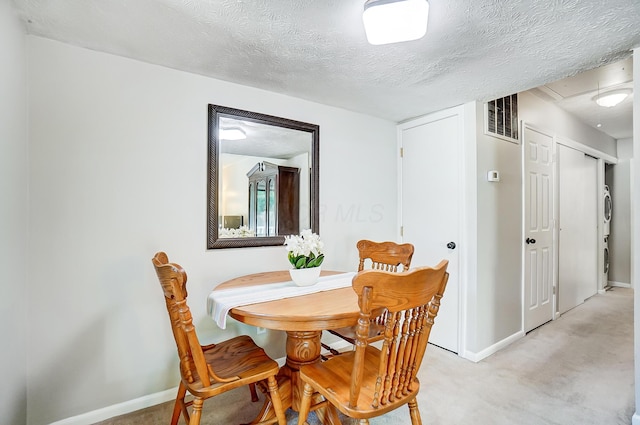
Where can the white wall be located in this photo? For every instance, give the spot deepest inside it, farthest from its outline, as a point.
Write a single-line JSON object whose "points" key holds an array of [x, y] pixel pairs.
{"points": [[499, 250], [118, 172], [499, 263], [619, 180], [549, 117], [13, 216]]}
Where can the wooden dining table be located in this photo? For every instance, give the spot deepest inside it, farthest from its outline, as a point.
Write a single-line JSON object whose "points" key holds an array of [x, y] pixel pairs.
{"points": [[303, 318]]}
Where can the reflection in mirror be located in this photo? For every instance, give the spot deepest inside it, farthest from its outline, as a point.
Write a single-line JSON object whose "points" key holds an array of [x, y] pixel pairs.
{"points": [[263, 178]]}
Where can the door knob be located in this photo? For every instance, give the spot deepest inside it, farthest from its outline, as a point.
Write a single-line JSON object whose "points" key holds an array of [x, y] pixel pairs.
{"points": [[528, 240], [451, 245]]}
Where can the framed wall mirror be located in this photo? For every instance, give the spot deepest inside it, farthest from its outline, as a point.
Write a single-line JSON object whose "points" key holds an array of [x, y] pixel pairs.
{"points": [[262, 178]]}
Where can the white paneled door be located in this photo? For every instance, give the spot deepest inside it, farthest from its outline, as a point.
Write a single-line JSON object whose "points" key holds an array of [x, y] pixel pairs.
{"points": [[430, 207], [538, 228]]}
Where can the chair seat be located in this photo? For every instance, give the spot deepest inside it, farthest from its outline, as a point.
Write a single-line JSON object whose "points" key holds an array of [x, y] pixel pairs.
{"points": [[376, 333], [210, 370], [332, 379], [237, 357]]}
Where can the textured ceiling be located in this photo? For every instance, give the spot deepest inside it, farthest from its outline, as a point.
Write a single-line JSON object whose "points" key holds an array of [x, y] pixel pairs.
{"points": [[263, 140], [317, 49]]}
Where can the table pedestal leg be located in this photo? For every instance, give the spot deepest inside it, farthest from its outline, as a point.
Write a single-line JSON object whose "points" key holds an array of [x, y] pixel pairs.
{"points": [[303, 348]]}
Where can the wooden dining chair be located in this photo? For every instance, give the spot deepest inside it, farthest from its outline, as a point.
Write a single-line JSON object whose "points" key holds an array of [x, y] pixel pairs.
{"points": [[207, 371], [387, 256], [370, 382]]}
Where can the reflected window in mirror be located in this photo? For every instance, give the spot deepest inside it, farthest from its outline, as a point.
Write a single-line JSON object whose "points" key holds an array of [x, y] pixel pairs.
{"points": [[274, 205], [262, 178]]}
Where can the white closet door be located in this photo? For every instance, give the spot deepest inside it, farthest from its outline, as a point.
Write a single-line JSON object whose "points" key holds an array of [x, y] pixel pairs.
{"points": [[431, 211], [578, 236]]}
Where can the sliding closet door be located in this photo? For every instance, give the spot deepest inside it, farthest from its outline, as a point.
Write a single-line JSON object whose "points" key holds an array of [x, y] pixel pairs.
{"points": [[578, 235]]}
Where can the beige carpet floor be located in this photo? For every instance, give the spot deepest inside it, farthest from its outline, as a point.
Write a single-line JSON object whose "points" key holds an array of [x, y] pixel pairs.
{"points": [[575, 370]]}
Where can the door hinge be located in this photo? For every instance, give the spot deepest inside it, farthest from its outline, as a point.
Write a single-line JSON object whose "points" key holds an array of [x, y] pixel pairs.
{"points": [[554, 289], [401, 230], [401, 152]]}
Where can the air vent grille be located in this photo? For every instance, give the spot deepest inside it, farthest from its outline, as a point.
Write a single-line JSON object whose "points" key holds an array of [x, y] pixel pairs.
{"points": [[502, 118]]}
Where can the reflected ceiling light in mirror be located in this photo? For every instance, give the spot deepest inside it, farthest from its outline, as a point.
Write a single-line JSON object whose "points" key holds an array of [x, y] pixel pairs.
{"points": [[393, 21], [611, 98], [232, 134]]}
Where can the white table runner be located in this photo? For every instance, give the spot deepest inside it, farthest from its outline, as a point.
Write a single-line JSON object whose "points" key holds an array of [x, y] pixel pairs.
{"points": [[219, 302]]}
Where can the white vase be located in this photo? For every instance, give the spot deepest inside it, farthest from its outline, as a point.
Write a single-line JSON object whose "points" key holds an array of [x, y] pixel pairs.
{"points": [[305, 277]]}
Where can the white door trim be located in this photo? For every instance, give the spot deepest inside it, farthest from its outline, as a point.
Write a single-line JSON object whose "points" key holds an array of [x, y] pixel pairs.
{"points": [[602, 279], [585, 149]]}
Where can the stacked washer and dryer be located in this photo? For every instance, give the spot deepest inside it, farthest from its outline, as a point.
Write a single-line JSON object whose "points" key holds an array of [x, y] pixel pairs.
{"points": [[608, 206]]}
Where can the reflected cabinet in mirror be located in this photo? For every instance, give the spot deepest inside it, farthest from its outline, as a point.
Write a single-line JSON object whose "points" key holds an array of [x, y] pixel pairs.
{"points": [[262, 178]]}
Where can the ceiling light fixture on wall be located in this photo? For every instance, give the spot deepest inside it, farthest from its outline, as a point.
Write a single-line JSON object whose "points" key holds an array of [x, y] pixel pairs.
{"points": [[232, 134], [611, 98], [393, 21]]}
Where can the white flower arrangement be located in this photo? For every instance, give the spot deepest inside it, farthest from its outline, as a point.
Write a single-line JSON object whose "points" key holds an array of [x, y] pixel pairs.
{"points": [[305, 250], [241, 232]]}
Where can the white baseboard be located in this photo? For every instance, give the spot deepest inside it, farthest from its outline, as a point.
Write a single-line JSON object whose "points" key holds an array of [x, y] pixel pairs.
{"points": [[129, 406], [120, 408], [476, 357], [635, 419], [619, 284], [170, 394]]}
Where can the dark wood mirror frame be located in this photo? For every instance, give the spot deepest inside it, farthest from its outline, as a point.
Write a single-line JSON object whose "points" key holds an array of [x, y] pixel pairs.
{"points": [[215, 112]]}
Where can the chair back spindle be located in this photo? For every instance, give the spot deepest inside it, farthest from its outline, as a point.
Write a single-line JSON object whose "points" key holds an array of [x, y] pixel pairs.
{"points": [[412, 300], [386, 256]]}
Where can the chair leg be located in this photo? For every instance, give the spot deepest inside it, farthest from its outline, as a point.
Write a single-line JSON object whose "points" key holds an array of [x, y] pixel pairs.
{"points": [[197, 412], [414, 413], [330, 349], [179, 406], [305, 404], [276, 400], [254, 394]]}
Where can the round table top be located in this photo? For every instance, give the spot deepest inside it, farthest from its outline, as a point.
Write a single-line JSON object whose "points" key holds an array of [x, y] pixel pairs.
{"points": [[332, 309]]}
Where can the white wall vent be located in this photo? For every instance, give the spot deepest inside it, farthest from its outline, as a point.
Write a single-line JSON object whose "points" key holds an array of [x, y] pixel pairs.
{"points": [[501, 118]]}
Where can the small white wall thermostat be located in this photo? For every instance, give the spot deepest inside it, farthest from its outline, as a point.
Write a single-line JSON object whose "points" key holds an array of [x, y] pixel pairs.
{"points": [[493, 176]]}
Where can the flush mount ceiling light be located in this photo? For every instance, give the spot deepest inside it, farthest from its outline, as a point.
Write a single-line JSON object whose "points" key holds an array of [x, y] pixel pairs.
{"points": [[232, 134], [611, 98], [393, 21]]}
